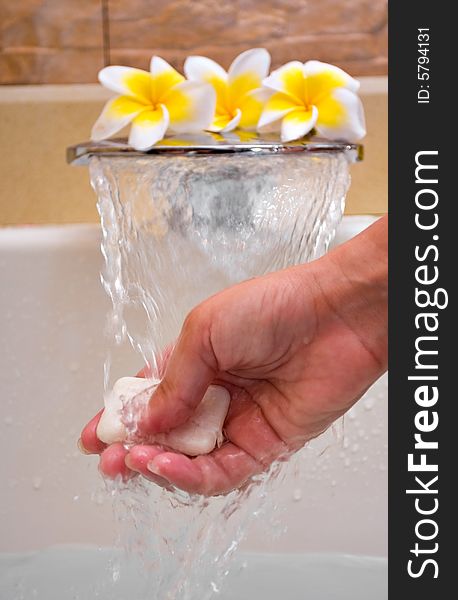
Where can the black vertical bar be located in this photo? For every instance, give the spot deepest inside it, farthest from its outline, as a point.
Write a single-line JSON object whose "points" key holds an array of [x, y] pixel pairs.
{"points": [[422, 119]]}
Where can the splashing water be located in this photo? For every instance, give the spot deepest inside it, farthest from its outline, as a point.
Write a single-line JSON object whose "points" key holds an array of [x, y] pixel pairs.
{"points": [[176, 230]]}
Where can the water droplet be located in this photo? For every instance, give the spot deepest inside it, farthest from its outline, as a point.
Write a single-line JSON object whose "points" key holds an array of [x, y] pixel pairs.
{"points": [[74, 366], [37, 482], [98, 498], [361, 433], [347, 462], [355, 448], [368, 403], [333, 483], [345, 443], [297, 495]]}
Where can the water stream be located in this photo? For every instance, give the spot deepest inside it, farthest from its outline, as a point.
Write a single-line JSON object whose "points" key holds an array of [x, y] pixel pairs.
{"points": [[175, 231]]}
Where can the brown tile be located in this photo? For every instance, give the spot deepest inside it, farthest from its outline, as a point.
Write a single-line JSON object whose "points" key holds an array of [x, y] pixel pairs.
{"points": [[351, 33], [50, 41], [357, 53], [45, 41]]}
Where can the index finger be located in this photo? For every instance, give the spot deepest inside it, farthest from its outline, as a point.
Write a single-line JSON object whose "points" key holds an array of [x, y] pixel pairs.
{"points": [[89, 442]]}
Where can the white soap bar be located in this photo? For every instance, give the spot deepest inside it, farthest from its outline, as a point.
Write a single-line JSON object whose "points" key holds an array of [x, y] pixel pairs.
{"points": [[199, 435], [134, 391], [204, 429]]}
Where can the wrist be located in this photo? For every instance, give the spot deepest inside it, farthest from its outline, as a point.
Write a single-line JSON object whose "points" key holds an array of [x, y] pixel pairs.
{"points": [[352, 286]]}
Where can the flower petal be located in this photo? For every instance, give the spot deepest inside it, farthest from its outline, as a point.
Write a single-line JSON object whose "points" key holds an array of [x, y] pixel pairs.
{"points": [[127, 81], [191, 106], [148, 128], [200, 68], [298, 123], [288, 79], [233, 123], [252, 105], [164, 77], [322, 74], [116, 114], [246, 74], [276, 107], [225, 122], [255, 61], [341, 116]]}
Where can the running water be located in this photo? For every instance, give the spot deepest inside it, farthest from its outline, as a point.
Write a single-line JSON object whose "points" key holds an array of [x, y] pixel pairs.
{"points": [[176, 230]]}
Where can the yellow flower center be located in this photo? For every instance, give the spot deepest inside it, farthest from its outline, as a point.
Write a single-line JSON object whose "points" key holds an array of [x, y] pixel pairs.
{"points": [[152, 90]]}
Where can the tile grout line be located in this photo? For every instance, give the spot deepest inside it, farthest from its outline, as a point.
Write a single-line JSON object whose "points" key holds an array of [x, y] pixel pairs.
{"points": [[106, 32]]}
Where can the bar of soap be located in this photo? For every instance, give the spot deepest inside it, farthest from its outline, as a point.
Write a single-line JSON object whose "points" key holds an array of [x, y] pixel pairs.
{"points": [[199, 435], [133, 391]]}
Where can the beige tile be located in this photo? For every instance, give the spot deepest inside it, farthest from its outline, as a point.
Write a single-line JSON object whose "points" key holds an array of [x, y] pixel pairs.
{"points": [[39, 122]]}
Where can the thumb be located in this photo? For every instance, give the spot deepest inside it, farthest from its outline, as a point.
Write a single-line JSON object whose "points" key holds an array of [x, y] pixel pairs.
{"points": [[191, 368]]}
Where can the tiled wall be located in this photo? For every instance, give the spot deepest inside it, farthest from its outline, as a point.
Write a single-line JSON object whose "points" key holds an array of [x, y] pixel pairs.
{"points": [[68, 41]]}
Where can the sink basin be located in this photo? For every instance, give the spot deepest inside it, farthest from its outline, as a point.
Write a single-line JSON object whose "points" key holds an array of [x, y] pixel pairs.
{"points": [[71, 573]]}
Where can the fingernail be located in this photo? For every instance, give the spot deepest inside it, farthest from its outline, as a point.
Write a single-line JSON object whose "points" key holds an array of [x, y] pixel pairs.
{"points": [[154, 468], [81, 448], [128, 463]]}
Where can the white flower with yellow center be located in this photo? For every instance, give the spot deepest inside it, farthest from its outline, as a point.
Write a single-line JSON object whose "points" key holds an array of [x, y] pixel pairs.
{"points": [[313, 95], [240, 96], [154, 102]]}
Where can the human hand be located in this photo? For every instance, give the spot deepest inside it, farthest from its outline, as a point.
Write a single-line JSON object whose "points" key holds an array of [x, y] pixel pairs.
{"points": [[295, 349]]}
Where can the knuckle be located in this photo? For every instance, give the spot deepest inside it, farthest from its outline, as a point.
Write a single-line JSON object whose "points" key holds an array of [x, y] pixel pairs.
{"points": [[196, 321]]}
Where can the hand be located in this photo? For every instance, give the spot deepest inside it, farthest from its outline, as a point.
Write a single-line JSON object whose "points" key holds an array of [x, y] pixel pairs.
{"points": [[296, 349]]}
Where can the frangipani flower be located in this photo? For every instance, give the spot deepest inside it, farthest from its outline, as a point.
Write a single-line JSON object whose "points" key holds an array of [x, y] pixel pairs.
{"points": [[313, 95], [153, 102], [239, 93]]}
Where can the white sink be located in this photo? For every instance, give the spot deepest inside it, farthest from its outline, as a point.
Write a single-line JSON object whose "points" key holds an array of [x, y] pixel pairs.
{"points": [[69, 573]]}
